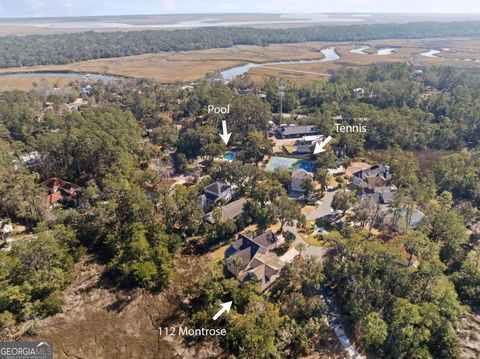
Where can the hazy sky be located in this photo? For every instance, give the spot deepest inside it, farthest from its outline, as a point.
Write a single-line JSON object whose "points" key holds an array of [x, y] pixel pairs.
{"points": [[16, 8]]}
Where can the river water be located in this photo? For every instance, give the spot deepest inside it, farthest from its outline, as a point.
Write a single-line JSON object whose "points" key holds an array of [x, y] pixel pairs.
{"points": [[431, 53], [328, 53], [360, 50], [380, 52], [227, 75], [385, 51]]}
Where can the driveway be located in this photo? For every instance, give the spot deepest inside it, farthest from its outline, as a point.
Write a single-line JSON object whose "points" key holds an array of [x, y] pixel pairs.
{"points": [[336, 323], [324, 206], [310, 251]]}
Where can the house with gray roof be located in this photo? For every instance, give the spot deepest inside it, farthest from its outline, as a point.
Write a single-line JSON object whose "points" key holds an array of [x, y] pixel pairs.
{"points": [[372, 177], [232, 211], [214, 193], [294, 131], [384, 194], [252, 258]]}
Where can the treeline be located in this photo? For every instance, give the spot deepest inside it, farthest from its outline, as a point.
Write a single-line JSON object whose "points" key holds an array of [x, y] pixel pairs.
{"points": [[395, 309], [31, 50], [99, 149]]}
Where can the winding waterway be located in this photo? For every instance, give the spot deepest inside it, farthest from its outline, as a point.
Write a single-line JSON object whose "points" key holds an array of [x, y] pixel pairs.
{"points": [[431, 53], [229, 74], [360, 50], [385, 51]]}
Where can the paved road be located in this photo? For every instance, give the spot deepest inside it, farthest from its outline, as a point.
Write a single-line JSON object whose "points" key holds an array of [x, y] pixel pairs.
{"points": [[318, 252], [324, 206], [333, 316]]}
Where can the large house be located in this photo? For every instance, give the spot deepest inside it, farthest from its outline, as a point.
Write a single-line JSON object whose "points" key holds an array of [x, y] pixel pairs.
{"points": [[252, 259], [372, 177], [294, 131], [233, 210], [61, 191], [375, 182], [214, 193]]}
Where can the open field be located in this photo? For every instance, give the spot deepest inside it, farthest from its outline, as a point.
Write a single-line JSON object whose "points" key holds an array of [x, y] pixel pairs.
{"points": [[144, 66], [27, 83], [258, 54], [188, 66], [462, 51]]}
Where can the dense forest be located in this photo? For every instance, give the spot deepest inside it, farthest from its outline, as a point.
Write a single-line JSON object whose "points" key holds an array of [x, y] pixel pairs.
{"points": [[18, 51], [403, 298]]}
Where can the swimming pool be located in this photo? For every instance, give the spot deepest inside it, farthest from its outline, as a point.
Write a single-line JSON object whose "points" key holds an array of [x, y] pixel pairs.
{"points": [[229, 156], [289, 163]]}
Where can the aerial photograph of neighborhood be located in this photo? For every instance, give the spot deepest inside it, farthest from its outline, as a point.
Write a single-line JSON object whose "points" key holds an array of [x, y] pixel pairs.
{"points": [[239, 180]]}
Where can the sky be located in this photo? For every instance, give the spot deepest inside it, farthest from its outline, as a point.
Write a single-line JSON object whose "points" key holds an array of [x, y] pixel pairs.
{"points": [[42, 8]]}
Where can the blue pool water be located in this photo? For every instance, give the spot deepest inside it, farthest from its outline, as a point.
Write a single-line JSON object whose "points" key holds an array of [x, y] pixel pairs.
{"points": [[229, 156]]}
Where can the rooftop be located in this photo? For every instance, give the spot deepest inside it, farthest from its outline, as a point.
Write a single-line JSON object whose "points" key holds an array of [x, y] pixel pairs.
{"points": [[307, 130], [257, 262], [229, 211], [372, 171], [217, 187]]}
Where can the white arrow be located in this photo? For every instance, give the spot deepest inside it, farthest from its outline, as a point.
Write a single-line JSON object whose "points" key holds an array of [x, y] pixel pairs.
{"points": [[319, 147], [225, 136], [225, 307]]}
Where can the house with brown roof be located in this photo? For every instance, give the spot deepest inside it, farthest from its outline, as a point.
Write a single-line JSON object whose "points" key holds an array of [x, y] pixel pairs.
{"points": [[61, 191], [252, 258]]}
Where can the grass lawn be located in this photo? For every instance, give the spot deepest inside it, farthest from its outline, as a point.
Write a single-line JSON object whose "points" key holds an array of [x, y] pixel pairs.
{"points": [[250, 228], [275, 227], [219, 253], [313, 241]]}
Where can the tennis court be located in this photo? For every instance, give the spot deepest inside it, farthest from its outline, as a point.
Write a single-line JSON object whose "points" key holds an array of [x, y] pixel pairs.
{"points": [[289, 163]]}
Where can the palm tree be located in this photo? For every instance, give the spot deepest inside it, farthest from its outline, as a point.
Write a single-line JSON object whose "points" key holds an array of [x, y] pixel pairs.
{"points": [[300, 247], [237, 262]]}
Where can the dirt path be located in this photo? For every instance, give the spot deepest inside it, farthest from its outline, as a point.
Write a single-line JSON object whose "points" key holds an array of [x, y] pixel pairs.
{"points": [[99, 321]]}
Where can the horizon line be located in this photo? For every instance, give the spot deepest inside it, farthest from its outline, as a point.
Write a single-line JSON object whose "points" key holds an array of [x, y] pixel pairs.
{"points": [[242, 13]]}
